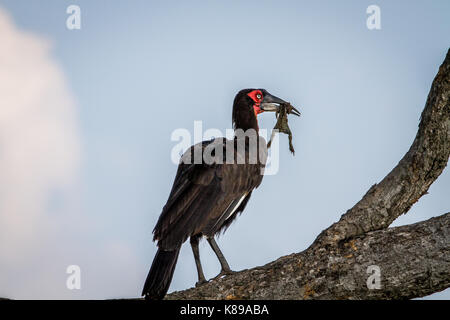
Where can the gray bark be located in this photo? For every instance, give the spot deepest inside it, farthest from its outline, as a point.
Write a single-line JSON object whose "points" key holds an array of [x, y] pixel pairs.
{"points": [[411, 178], [413, 260]]}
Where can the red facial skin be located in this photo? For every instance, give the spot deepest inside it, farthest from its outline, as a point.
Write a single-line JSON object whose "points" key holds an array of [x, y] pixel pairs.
{"points": [[254, 95]]}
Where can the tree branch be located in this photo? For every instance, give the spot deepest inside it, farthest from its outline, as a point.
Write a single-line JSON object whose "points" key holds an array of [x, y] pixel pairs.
{"points": [[414, 260], [411, 178]]}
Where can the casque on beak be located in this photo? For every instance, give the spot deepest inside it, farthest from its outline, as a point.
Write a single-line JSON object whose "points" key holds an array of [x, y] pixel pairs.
{"points": [[273, 103]]}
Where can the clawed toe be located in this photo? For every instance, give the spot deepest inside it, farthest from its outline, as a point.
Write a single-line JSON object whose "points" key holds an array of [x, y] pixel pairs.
{"points": [[224, 273], [200, 282]]}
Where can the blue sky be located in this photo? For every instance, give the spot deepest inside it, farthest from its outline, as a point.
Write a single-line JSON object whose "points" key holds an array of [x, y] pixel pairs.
{"points": [[138, 70]]}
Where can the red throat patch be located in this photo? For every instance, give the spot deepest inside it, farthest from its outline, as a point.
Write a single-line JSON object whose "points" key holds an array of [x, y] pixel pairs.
{"points": [[257, 109]]}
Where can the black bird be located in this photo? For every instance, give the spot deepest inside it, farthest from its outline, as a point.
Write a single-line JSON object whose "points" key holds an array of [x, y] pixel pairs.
{"points": [[208, 195]]}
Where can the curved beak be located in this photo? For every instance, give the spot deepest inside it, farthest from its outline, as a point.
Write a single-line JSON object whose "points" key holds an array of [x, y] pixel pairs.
{"points": [[273, 103]]}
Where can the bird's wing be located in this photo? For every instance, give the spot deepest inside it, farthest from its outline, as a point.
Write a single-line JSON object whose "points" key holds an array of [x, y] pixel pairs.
{"points": [[203, 196]]}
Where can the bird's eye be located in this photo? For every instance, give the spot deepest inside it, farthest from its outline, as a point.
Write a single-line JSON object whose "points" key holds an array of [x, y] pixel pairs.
{"points": [[258, 96]]}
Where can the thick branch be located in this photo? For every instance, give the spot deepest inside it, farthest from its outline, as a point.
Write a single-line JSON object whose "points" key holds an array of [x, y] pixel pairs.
{"points": [[414, 261], [411, 178]]}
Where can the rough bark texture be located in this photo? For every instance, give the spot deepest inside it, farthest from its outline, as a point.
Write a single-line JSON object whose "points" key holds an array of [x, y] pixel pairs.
{"points": [[414, 260], [411, 178]]}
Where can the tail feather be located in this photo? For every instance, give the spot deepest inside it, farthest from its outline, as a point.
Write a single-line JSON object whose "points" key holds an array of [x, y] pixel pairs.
{"points": [[160, 274]]}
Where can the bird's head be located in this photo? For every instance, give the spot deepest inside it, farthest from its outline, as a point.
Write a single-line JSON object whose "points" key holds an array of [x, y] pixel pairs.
{"points": [[249, 103]]}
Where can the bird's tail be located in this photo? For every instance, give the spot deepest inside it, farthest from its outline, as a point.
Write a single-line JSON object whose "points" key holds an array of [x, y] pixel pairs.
{"points": [[160, 274]]}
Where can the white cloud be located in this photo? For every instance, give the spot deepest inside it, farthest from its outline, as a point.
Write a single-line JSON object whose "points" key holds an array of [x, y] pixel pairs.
{"points": [[39, 148]]}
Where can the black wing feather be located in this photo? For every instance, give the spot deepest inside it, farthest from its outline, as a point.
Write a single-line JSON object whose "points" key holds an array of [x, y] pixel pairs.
{"points": [[200, 196]]}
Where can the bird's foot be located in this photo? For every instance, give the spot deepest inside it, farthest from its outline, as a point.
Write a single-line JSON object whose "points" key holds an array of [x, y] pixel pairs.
{"points": [[200, 282], [224, 273]]}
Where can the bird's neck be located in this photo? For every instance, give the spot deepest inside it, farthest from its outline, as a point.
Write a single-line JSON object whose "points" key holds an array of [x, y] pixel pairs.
{"points": [[245, 120], [246, 127]]}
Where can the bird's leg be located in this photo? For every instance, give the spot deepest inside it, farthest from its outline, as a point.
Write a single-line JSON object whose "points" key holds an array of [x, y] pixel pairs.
{"points": [[223, 262], [195, 251]]}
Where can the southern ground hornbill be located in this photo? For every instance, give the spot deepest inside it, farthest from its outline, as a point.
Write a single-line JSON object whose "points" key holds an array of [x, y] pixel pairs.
{"points": [[208, 195]]}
